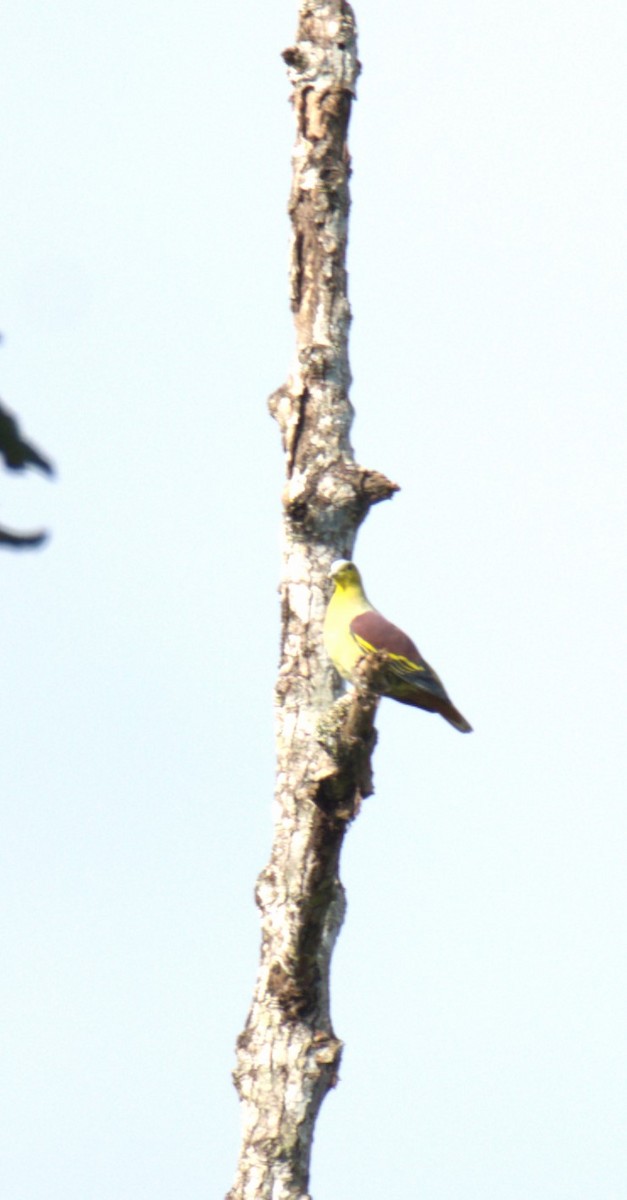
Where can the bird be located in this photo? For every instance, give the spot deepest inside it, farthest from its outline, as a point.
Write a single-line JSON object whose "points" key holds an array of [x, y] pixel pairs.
{"points": [[353, 629]]}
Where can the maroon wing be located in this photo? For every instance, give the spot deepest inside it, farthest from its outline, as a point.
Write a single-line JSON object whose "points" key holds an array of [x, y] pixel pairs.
{"points": [[407, 677]]}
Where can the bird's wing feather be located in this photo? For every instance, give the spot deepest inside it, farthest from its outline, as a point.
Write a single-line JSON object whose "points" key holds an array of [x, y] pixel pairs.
{"points": [[405, 675], [377, 633], [371, 631]]}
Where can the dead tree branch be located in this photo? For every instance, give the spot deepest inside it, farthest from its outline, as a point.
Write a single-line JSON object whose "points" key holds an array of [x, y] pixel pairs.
{"points": [[288, 1054]]}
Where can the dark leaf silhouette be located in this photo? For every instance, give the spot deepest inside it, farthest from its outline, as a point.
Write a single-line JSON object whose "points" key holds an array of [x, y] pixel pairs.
{"points": [[21, 541], [16, 452]]}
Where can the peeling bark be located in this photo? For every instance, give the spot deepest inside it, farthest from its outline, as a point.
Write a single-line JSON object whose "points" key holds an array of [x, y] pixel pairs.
{"points": [[288, 1055]]}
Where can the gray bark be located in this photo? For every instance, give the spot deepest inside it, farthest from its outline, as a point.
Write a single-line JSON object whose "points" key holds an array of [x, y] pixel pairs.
{"points": [[288, 1055]]}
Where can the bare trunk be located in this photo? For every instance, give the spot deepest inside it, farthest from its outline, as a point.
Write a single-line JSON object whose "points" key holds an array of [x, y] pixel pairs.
{"points": [[288, 1054]]}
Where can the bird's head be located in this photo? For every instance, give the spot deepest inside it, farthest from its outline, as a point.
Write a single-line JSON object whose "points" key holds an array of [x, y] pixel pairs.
{"points": [[345, 574]]}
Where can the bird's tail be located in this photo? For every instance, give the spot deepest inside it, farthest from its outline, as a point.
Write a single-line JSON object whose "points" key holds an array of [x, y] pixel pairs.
{"points": [[455, 718]]}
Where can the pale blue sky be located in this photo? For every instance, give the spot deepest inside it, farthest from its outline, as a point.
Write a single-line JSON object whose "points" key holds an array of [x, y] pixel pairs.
{"points": [[479, 982]]}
